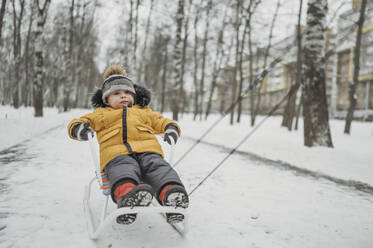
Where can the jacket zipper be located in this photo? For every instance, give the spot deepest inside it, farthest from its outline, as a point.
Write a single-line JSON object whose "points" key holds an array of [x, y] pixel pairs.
{"points": [[124, 123]]}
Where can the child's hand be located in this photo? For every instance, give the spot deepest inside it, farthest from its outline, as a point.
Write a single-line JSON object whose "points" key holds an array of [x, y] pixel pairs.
{"points": [[171, 134], [82, 130]]}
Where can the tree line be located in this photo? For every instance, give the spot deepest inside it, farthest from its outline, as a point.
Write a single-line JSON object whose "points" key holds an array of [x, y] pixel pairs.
{"points": [[48, 60], [180, 50]]}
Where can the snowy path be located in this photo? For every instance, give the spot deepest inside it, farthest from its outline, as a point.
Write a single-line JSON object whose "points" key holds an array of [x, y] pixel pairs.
{"points": [[244, 204], [353, 184]]}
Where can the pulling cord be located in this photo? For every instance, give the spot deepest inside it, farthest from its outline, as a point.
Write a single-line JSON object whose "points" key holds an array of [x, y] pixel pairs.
{"points": [[292, 90], [257, 80]]}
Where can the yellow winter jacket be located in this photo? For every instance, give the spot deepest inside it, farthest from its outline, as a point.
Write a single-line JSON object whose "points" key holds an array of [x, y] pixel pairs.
{"points": [[125, 131]]}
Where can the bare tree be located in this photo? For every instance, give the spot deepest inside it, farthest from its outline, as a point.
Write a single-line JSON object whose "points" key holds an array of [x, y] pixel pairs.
{"points": [[127, 51], [237, 54], [27, 89], [164, 74], [204, 56], [184, 55], [39, 65], [141, 72], [290, 108], [68, 58], [266, 55], [251, 62], [250, 9], [17, 21], [315, 109], [2, 14], [217, 63], [355, 80], [196, 63], [177, 60], [134, 62]]}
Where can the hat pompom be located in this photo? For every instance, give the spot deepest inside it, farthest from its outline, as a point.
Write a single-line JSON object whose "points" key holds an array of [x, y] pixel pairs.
{"points": [[114, 70]]}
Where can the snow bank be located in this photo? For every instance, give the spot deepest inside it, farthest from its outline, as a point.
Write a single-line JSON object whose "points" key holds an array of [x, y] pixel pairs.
{"points": [[350, 159], [18, 125]]}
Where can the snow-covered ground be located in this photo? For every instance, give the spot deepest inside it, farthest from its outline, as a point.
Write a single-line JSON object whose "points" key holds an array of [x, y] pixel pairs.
{"points": [[244, 204], [350, 159]]}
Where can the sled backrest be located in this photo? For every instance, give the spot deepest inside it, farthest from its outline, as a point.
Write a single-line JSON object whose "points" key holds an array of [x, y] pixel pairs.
{"points": [[101, 176]]}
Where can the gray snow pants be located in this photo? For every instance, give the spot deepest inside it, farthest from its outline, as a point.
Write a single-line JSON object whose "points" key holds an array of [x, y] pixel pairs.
{"points": [[148, 167]]}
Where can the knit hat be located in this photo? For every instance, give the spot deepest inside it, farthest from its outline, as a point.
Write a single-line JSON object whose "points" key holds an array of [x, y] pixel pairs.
{"points": [[115, 77], [116, 82]]}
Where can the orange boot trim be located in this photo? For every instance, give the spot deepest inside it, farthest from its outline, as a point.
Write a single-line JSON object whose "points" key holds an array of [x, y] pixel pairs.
{"points": [[163, 192], [123, 189]]}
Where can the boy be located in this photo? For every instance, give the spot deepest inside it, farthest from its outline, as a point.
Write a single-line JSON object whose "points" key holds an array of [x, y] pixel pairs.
{"points": [[129, 150]]}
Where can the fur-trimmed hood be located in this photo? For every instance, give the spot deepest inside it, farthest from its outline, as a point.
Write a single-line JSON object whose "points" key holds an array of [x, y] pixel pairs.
{"points": [[142, 97]]}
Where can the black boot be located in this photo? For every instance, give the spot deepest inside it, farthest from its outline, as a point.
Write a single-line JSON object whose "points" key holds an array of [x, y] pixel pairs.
{"points": [[141, 195], [175, 196]]}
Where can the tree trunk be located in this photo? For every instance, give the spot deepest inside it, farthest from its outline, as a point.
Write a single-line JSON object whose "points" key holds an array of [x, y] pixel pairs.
{"points": [[164, 75], [72, 61], [299, 109], [315, 108], [217, 64], [253, 4], [39, 65], [68, 53], [239, 65], [355, 81], [2, 14], [185, 45], [134, 62], [195, 73], [251, 76], [237, 32], [177, 60], [17, 21], [144, 50], [27, 88], [290, 108], [129, 39], [259, 88], [204, 55]]}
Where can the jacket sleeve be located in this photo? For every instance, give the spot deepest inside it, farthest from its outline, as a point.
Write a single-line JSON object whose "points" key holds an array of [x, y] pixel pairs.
{"points": [[159, 122], [95, 119]]}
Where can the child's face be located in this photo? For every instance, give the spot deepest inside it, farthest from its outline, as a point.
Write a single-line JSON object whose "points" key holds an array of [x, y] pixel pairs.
{"points": [[120, 98]]}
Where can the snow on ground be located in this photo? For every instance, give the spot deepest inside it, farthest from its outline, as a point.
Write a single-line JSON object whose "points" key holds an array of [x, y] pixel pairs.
{"points": [[244, 204], [350, 159], [19, 125]]}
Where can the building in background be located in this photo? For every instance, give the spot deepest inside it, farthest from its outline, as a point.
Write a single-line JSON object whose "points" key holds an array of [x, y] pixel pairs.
{"points": [[339, 55], [346, 39]]}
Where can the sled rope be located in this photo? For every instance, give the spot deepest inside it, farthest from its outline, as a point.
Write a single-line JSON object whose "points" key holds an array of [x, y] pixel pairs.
{"points": [[292, 90], [257, 80]]}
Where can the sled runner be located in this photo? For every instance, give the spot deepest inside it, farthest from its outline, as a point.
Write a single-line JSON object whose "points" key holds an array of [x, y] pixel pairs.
{"points": [[105, 219]]}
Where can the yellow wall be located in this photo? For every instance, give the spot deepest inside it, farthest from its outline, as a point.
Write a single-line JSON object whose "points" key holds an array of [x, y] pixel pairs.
{"points": [[355, 3], [365, 77], [367, 27], [362, 77]]}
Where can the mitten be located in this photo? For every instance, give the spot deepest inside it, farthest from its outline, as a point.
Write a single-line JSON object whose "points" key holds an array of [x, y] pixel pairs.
{"points": [[171, 134], [81, 130]]}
